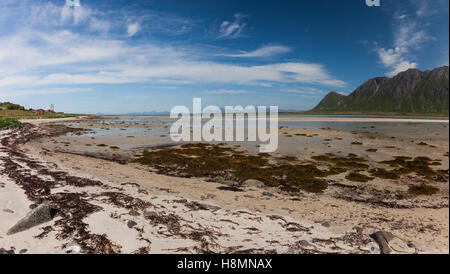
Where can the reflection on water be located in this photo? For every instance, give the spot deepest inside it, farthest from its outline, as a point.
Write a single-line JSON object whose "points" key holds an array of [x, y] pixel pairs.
{"points": [[154, 127]]}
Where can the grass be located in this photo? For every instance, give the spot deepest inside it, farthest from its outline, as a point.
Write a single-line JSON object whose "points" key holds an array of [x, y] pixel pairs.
{"points": [[31, 114], [9, 123]]}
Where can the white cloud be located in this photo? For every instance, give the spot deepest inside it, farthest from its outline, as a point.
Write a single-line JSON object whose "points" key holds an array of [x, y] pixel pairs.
{"points": [[232, 29], [408, 37], [99, 25], [35, 58], [75, 15], [226, 91], [36, 91], [400, 17], [402, 66], [266, 51], [132, 29], [45, 58], [304, 90]]}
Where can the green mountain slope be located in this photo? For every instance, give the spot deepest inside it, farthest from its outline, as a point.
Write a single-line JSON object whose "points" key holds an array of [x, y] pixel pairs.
{"points": [[411, 91]]}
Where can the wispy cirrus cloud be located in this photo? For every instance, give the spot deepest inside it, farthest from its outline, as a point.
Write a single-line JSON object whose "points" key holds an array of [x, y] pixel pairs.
{"points": [[304, 91], [265, 51], [14, 93], [34, 59], [68, 52], [410, 34], [232, 29]]}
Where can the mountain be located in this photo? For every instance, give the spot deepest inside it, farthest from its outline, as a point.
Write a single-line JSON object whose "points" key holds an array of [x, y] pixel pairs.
{"points": [[411, 91]]}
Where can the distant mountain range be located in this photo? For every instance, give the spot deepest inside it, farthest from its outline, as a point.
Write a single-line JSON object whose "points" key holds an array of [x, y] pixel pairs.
{"points": [[148, 113], [409, 92]]}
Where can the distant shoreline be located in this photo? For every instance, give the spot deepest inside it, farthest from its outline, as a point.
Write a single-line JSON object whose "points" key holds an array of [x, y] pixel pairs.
{"points": [[371, 114], [324, 114], [290, 117]]}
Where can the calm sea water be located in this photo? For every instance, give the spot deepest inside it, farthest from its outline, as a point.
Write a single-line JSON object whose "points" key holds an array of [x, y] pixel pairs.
{"points": [[399, 129]]}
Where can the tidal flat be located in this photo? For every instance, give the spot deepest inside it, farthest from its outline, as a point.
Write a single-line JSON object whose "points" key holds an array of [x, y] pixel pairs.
{"points": [[346, 179]]}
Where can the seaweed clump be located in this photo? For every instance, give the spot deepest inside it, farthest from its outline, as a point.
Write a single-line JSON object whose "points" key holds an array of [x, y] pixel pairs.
{"points": [[418, 165], [213, 161], [423, 189], [358, 177], [384, 174], [356, 143]]}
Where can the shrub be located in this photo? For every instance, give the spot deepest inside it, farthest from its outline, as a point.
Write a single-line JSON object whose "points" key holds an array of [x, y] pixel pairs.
{"points": [[9, 123]]}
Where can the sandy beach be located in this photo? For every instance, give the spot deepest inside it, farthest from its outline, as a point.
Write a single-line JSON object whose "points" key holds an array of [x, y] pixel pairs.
{"points": [[108, 203]]}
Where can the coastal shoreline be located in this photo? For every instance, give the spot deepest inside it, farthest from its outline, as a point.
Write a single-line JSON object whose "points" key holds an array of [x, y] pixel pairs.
{"points": [[324, 216], [125, 218]]}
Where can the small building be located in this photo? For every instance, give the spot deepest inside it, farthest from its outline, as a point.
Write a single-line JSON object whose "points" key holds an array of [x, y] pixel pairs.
{"points": [[50, 111], [40, 112]]}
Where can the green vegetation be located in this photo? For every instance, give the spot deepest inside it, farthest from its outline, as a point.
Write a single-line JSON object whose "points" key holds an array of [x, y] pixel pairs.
{"points": [[9, 123], [14, 111], [11, 106]]}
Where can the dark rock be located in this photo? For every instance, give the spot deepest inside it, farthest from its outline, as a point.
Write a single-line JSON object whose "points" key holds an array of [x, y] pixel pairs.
{"points": [[325, 224], [41, 214], [133, 213], [4, 251], [22, 251], [230, 188], [265, 193], [304, 243], [131, 224], [382, 238], [150, 214], [33, 206], [358, 229], [7, 210]]}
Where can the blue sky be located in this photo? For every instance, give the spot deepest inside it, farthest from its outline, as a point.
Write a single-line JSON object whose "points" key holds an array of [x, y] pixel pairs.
{"points": [[121, 56]]}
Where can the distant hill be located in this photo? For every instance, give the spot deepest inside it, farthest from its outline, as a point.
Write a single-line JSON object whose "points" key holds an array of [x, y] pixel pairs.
{"points": [[10, 106], [409, 92]]}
